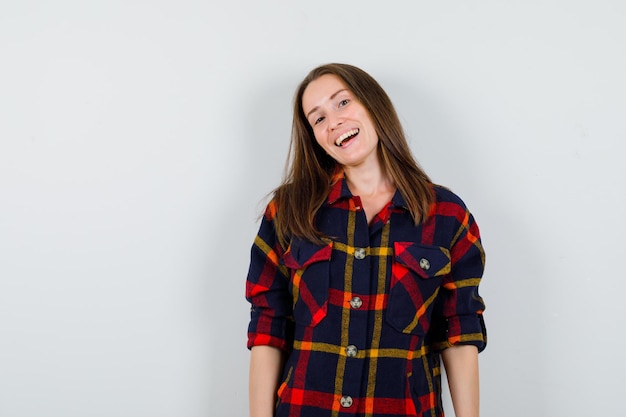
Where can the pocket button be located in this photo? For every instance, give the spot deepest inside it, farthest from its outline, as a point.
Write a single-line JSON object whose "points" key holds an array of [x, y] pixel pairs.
{"points": [[424, 264]]}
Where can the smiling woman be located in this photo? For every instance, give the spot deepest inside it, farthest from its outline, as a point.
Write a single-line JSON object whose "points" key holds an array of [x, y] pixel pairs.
{"points": [[364, 274], [341, 124]]}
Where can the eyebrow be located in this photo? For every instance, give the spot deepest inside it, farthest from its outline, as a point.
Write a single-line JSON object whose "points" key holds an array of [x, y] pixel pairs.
{"points": [[331, 97]]}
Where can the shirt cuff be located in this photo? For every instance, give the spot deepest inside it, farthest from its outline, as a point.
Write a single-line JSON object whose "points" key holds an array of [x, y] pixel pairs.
{"points": [[465, 330]]}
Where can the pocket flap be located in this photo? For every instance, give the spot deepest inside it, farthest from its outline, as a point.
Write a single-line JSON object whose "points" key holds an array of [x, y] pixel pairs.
{"points": [[302, 253], [424, 260]]}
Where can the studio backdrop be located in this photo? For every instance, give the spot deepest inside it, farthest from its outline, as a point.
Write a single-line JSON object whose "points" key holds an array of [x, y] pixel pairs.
{"points": [[139, 141]]}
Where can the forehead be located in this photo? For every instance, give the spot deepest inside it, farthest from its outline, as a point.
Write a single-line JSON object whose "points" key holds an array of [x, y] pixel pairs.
{"points": [[321, 90]]}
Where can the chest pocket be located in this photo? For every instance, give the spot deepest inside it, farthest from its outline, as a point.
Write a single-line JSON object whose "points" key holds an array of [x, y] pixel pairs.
{"points": [[309, 266], [416, 277]]}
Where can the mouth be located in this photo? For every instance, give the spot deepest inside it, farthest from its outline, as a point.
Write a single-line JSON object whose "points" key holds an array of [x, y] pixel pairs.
{"points": [[346, 137]]}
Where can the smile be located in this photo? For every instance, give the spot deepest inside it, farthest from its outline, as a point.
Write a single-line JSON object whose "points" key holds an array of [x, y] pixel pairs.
{"points": [[346, 137]]}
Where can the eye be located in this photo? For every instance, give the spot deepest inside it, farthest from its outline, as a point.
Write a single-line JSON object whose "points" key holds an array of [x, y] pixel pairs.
{"points": [[344, 102], [318, 120]]}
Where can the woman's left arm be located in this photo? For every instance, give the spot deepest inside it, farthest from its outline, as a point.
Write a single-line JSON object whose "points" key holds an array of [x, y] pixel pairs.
{"points": [[461, 364], [464, 334]]}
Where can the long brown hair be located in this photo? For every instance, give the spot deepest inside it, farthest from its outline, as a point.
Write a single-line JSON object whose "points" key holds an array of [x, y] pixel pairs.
{"points": [[309, 169]]}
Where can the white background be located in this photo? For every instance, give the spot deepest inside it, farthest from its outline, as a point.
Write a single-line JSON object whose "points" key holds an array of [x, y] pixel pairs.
{"points": [[138, 139]]}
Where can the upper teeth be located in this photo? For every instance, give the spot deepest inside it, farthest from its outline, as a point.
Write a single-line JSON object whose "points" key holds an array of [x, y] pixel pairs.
{"points": [[345, 136]]}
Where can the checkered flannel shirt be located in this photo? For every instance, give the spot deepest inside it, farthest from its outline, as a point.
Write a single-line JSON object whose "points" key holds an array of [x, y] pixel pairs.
{"points": [[364, 316]]}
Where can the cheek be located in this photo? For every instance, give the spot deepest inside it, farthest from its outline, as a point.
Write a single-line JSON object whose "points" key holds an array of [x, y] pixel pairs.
{"points": [[321, 143], [317, 134]]}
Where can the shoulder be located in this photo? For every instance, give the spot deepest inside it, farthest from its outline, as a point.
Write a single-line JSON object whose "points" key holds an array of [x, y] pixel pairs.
{"points": [[270, 210], [449, 205], [452, 218], [444, 195]]}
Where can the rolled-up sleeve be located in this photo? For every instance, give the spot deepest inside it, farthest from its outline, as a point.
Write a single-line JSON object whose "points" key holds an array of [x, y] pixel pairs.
{"points": [[267, 290], [462, 306]]}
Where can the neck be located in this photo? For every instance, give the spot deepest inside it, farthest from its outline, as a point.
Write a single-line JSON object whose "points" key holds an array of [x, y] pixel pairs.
{"points": [[368, 180]]}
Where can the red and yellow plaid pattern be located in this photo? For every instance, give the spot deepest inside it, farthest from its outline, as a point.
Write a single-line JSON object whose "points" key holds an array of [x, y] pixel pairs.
{"points": [[364, 315]]}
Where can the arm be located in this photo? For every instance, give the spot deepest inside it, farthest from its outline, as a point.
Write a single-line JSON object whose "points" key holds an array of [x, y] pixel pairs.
{"points": [[464, 332], [270, 332], [266, 365], [461, 364]]}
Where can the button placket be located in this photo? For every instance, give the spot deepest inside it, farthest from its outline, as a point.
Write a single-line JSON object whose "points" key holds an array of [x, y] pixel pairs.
{"points": [[356, 302], [351, 351], [346, 401]]}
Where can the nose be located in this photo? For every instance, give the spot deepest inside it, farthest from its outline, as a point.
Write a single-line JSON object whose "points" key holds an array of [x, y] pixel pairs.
{"points": [[334, 122]]}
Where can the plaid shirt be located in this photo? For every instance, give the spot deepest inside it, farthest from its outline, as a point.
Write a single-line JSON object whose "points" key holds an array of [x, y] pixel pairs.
{"points": [[364, 316]]}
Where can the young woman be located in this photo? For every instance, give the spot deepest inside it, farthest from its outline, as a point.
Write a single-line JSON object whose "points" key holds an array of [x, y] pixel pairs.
{"points": [[364, 273]]}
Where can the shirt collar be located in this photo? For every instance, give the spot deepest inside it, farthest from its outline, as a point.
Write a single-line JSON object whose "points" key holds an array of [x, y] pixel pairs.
{"points": [[398, 201], [338, 187], [339, 190]]}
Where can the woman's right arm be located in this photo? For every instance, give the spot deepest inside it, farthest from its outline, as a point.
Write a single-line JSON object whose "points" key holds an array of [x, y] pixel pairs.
{"points": [[270, 332], [266, 366]]}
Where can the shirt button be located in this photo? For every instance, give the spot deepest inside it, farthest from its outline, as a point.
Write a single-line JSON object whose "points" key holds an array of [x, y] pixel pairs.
{"points": [[351, 351], [424, 264], [356, 302], [346, 401], [359, 253]]}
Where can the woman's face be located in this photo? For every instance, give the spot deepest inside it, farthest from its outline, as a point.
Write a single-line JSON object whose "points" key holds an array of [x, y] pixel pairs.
{"points": [[341, 124]]}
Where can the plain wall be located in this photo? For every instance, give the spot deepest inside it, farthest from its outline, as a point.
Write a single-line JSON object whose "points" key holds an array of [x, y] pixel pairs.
{"points": [[139, 138]]}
